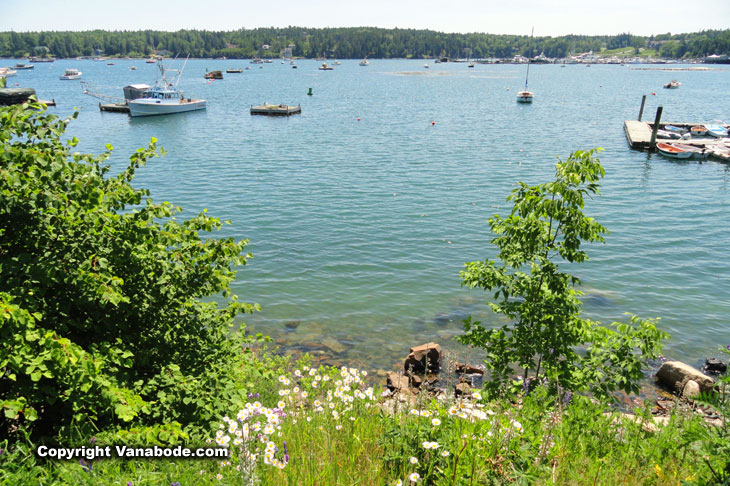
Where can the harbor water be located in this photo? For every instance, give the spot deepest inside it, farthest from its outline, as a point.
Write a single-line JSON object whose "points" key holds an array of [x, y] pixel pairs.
{"points": [[362, 210]]}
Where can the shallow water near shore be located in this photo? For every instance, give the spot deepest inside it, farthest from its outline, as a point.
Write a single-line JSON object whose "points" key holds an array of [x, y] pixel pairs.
{"points": [[362, 210]]}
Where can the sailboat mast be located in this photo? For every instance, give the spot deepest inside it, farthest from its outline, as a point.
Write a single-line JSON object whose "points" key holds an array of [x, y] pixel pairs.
{"points": [[529, 59]]}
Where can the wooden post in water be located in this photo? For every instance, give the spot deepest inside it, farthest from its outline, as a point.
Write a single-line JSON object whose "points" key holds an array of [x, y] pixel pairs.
{"points": [[652, 143], [641, 110]]}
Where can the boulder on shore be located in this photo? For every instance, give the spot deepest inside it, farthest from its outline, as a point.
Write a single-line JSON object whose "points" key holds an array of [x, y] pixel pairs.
{"points": [[397, 382], [676, 375], [424, 358]]}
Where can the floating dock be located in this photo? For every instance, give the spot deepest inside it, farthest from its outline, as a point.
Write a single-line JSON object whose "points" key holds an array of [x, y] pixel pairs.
{"points": [[276, 110], [115, 107], [638, 135]]}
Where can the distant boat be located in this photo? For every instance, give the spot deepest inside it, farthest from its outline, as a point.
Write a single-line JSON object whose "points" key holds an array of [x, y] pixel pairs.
{"points": [[426, 66], [133, 68], [164, 98], [337, 63], [150, 61], [213, 75], [325, 67], [673, 84], [672, 151], [71, 74], [23, 66], [365, 62], [471, 64], [7, 72], [526, 96], [234, 70], [110, 64]]}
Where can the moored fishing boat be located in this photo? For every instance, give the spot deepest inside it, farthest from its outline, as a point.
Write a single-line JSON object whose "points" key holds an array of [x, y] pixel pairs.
{"points": [[325, 67], [365, 62], [23, 66], [164, 98], [673, 84], [673, 151], [213, 75], [71, 74]]}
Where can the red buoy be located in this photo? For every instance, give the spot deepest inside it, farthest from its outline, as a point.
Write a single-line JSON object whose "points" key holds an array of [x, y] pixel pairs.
{"points": [[358, 119], [433, 123]]}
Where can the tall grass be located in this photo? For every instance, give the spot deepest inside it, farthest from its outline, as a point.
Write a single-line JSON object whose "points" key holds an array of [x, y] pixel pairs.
{"points": [[328, 427]]}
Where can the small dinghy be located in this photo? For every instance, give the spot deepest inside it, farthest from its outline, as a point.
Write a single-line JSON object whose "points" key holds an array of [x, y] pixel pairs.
{"points": [[697, 152], [716, 131], [668, 135], [673, 151], [672, 128], [698, 130]]}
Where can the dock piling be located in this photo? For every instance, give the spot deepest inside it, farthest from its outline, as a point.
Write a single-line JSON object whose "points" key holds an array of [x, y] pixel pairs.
{"points": [[652, 143], [641, 110]]}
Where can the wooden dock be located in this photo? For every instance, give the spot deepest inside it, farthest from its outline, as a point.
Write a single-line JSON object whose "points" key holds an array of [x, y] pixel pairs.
{"points": [[115, 107], [276, 110], [638, 134]]}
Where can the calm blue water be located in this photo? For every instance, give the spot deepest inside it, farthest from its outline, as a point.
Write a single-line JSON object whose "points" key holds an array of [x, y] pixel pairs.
{"points": [[359, 228]]}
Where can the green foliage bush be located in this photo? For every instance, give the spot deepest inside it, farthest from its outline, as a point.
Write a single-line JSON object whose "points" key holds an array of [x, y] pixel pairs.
{"points": [[111, 309], [546, 331]]}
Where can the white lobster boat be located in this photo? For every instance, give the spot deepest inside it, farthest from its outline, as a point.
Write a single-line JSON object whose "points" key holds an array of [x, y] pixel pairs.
{"points": [[71, 74], [164, 98]]}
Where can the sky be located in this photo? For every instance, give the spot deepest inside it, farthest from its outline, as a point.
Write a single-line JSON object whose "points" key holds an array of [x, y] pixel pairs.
{"points": [[549, 17]]}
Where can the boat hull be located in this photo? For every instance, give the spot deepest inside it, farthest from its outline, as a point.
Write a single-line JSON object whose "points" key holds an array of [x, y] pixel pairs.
{"points": [[672, 151], [525, 97], [153, 107], [716, 131]]}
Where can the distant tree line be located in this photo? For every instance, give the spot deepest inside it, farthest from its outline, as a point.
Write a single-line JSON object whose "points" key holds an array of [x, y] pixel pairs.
{"points": [[355, 42]]}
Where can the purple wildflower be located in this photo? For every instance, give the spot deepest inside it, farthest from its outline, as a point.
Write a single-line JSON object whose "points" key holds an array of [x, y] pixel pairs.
{"points": [[286, 454], [86, 466]]}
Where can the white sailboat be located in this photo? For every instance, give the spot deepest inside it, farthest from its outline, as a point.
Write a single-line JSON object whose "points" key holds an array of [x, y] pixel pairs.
{"points": [[526, 96]]}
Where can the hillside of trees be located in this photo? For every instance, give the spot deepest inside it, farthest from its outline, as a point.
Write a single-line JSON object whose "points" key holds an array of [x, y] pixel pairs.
{"points": [[356, 42]]}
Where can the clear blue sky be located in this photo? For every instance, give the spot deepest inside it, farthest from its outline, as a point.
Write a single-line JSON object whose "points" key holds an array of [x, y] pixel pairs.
{"points": [[550, 17]]}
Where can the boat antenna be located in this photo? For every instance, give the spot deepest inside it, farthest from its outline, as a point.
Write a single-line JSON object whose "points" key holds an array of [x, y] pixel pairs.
{"points": [[528, 60]]}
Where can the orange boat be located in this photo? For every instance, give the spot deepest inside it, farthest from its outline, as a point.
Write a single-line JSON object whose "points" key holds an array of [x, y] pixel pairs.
{"points": [[672, 151]]}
